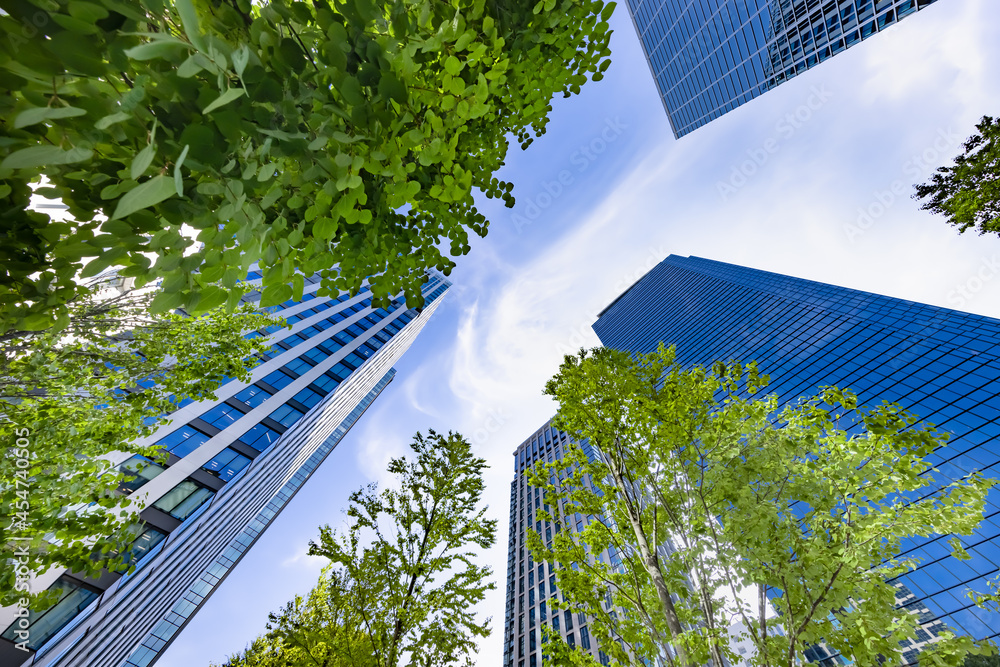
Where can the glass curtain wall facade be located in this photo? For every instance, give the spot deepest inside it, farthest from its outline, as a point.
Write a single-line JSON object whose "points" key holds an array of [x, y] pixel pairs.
{"points": [[233, 465], [939, 364], [531, 587], [708, 57]]}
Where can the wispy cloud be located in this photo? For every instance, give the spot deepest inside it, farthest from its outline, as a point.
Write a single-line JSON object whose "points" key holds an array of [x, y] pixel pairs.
{"points": [[301, 560]]}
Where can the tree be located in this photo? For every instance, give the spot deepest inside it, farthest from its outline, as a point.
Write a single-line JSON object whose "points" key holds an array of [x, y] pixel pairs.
{"points": [[319, 630], [71, 395], [707, 494], [967, 193], [402, 581], [345, 137]]}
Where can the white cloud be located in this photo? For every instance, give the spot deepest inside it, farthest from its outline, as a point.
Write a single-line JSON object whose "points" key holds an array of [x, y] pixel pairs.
{"points": [[916, 53], [301, 560]]}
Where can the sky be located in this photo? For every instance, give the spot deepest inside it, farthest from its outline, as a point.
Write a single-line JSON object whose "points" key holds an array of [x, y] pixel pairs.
{"points": [[813, 179]]}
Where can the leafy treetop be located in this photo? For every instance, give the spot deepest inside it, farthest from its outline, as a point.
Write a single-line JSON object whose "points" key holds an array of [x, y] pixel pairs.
{"points": [[302, 135], [967, 193], [403, 580]]}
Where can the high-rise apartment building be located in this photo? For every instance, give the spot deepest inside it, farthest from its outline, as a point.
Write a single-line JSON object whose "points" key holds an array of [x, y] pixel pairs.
{"points": [[531, 586], [708, 57], [234, 464], [939, 364]]}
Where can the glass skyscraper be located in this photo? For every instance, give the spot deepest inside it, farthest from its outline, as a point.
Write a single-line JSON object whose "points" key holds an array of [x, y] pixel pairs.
{"points": [[531, 587], [710, 56], [234, 464], [939, 364]]}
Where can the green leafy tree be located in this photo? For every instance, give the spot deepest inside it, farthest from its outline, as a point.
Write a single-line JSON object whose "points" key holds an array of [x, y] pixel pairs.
{"points": [[70, 396], [403, 579], [967, 192], [322, 629], [346, 137], [716, 503]]}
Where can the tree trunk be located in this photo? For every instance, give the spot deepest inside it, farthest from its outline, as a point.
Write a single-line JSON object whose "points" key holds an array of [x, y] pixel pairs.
{"points": [[652, 568], [708, 610]]}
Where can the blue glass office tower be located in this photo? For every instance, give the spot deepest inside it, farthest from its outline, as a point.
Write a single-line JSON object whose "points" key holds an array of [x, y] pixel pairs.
{"points": [[940, 364], [531, 586], [708, 57], [234, 464]]}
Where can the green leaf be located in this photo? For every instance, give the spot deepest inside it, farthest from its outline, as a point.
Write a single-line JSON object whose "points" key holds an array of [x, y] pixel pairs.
{"points": [[178, 178], [35, 322], [351, 90], [275, 294], [165, 301], [190, 67], [210, 189], [400, 24], [272, 196], [142, 160], [73, 24], [94, 267], [453, 65], [338, 36], [391, 87], [116, 227], [111, 119], [414, 137], [39, 114], [224, 99], [189, 18], [465, 40], [325, 228], [144, 195], [211, 297], [39, 156], [266, 172], [366, 9], [161, 48], [86, 11], [241, 57]]}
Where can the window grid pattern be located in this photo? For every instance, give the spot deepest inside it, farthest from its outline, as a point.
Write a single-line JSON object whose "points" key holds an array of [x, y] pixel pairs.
{"points": [[532, 586], [154, 643], [189, 437], [226, 464], [710, 56], [74, 596], [937, 363]]}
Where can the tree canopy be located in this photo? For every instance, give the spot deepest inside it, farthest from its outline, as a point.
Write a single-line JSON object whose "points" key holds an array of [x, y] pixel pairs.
{"points": [[967, 192], [191, 138], [320, 628], [403, 580], [719, 506], [72, 395]]}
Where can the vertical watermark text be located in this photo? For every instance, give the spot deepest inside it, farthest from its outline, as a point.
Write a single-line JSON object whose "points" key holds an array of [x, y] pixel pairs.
{"points": [[19, 526]]}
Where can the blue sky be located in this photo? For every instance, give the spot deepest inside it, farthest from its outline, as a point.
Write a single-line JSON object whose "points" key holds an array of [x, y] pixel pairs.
{"points": [[813, 179]]}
